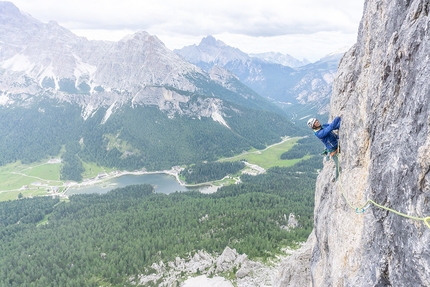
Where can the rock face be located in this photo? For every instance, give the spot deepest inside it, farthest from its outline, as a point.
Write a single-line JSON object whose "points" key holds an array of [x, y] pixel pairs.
{"points": [[295, 270], [382, 92]]}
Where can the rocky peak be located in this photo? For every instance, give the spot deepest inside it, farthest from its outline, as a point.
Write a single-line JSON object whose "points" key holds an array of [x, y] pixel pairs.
{"points": [[8, 10], [212, 51], [211, 41], [142, 60]]}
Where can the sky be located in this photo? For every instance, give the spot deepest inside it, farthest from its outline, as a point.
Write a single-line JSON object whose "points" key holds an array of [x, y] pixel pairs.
{"points": [[308, 29]]}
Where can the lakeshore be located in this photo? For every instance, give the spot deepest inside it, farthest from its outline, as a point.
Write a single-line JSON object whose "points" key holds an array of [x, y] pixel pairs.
{"points": [[104, 182], [174, 171], [38, 184], [102, 177]]}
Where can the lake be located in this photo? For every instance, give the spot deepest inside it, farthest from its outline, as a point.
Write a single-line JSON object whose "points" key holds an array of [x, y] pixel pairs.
{"points": [[163, 183]]}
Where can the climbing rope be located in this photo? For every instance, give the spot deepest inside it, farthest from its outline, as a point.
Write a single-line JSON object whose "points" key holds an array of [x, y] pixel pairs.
{"points": [[365, 206]]}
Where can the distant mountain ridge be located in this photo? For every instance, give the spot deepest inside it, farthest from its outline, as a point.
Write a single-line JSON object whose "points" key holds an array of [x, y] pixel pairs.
{"points": [[278, 58], [308, 84]]}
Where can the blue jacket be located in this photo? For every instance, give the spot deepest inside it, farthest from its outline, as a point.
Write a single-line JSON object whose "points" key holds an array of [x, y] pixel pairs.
{"points": [[327, 136]]}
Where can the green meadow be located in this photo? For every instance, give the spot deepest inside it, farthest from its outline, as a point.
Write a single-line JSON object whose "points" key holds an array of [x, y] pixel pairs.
{"points": [[271, 156], [39, 178]]}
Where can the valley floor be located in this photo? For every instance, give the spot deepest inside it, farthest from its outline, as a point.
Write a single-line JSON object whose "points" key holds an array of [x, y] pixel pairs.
{"points": [[43, 178]]}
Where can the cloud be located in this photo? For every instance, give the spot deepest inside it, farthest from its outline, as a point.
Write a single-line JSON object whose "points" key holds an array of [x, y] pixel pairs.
{"points": [[191, 19], [252, 18], [311, 47]]}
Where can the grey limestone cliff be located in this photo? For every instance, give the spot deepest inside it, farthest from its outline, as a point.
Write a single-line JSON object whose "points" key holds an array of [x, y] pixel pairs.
{"points": [[382, 92]]}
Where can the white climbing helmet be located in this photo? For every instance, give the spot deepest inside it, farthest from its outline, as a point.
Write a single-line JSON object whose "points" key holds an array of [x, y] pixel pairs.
{"points": [[311, 122]]}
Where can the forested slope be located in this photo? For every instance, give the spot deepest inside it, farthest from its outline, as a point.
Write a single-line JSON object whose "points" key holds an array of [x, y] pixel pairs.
{"points": [[103, 239], [132, 138]]}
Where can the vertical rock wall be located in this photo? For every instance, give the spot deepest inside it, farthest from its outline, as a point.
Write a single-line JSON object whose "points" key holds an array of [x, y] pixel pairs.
{"points": [[382, 92]]}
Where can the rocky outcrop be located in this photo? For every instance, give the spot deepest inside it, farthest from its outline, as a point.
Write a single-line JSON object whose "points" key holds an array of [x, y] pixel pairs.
{"points": [[382, 92], [295, 269], [246, 273]]}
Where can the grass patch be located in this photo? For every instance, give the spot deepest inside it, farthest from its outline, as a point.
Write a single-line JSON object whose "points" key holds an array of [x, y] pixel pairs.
{"points": [[92, 169], [44, 171], [271, 156], [44, 220], [38, 178], [121, 145], [16, 175], [6, 195], [226, 181], [9, 195]]}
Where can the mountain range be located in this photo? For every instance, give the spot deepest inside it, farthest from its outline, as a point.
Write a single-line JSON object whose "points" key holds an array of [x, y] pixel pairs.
{"points": [[48, 59], [301, 86], [127, 104]]}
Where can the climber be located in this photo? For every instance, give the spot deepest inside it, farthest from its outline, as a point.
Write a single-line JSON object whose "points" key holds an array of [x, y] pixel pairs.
{"points": [[330, 139], [326, 135]]}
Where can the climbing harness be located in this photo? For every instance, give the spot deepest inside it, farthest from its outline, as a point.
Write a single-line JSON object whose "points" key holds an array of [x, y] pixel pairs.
{"points": [[362, 209]]}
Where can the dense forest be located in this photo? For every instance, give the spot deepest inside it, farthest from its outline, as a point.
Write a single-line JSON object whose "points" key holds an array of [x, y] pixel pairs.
{"points": [[95, 240], [205, 172], [133, 137], [305, 146]]}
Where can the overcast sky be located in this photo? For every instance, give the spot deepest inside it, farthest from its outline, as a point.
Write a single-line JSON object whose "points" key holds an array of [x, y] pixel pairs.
{"points": [[307, 29]]}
